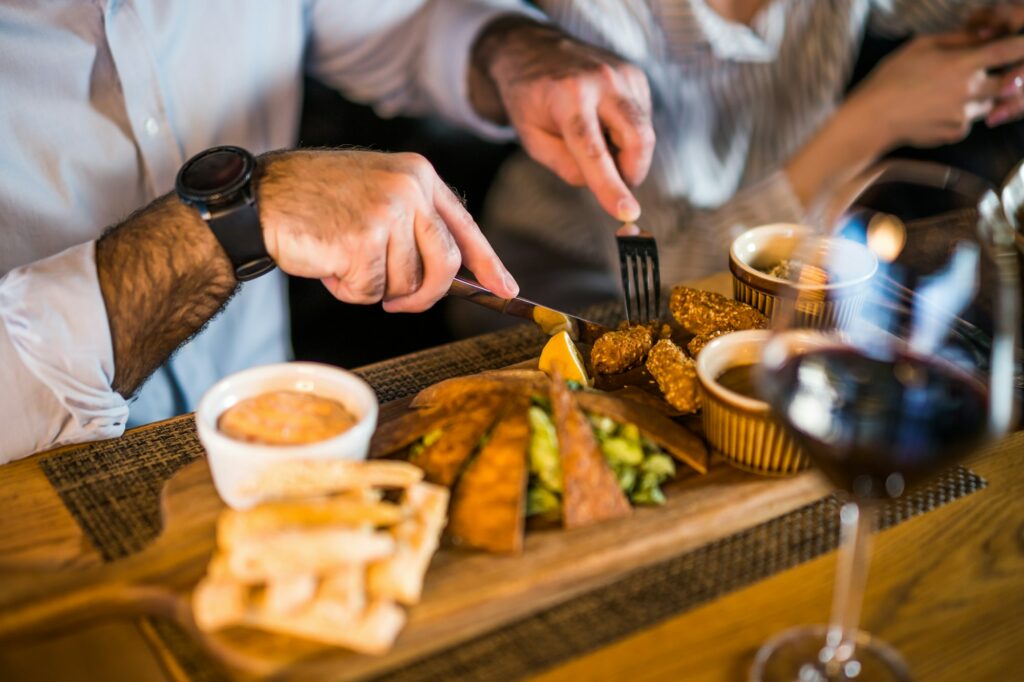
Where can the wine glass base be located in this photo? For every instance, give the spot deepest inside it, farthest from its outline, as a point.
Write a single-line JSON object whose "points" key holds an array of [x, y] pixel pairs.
{"points": [[795, 656]]}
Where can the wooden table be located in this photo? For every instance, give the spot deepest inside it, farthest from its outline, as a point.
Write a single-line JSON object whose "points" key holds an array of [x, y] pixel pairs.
{"points": [[946, 588]]}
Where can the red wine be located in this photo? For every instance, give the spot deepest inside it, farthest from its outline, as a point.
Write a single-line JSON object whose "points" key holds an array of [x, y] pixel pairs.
{"points": [[875, 426]]}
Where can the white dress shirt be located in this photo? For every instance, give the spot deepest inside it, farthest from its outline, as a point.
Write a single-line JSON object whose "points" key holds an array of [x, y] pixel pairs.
{"points": [[101, 102], [732, 103]]}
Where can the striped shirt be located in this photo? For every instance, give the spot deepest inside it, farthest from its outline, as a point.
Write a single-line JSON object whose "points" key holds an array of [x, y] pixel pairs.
{"points": [[732, 103]]}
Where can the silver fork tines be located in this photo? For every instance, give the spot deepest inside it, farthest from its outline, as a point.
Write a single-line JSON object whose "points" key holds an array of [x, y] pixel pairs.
{"points": [[641, 278]]}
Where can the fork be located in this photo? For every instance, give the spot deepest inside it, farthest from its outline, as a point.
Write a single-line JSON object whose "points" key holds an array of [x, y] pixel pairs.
{"points": [[641, 278]]}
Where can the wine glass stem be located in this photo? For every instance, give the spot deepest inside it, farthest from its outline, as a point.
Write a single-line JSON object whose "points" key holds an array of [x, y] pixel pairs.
{"points": [[856, 526]]}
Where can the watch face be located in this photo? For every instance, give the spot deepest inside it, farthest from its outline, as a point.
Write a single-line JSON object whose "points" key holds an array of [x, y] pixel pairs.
{"points": [[216, 174]]}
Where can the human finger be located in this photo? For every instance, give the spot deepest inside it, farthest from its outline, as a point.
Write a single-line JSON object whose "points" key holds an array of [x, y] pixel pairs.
{"points": [[981, 86], [441, 261], [976, 110], [1002, 52], [585, 140], [629, 125], [404, 265], [1006, 110], [477, 253], [550, 151], [1012, 83]]}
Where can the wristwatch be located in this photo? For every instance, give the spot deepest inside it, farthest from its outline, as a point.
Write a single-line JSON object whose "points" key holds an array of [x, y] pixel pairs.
{"points": [[217, 182]]}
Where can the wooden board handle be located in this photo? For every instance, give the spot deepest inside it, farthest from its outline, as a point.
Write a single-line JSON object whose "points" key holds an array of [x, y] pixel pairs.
{"points": [[49, 602]]}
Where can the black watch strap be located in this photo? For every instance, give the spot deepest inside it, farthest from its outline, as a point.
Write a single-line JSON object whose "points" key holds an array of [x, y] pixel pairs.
{"points": [[234, 229]]}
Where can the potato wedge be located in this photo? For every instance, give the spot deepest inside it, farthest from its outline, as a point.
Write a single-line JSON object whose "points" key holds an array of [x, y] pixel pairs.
{"points": [[442, 460], [590, 491], [489, 504], [452, 394]]}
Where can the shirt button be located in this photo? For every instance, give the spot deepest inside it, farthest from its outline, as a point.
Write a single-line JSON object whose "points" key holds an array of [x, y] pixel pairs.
{"points": [[151, 126]]}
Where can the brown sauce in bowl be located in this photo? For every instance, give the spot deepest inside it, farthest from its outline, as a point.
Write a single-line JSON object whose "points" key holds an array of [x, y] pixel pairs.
{"points": [[285, 418], [741, 379]]}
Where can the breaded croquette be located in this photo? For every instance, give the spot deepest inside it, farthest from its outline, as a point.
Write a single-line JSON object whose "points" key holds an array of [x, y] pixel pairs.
{"points": [[676, 375], [702, 312], [698, 342], [618, 351]]}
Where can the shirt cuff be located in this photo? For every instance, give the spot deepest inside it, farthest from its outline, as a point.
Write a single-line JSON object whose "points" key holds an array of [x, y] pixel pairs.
{"points": [[448, 58], [55, 326]]}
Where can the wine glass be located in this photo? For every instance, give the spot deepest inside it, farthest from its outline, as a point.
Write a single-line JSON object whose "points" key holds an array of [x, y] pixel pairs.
{"points": [[914, 373]]}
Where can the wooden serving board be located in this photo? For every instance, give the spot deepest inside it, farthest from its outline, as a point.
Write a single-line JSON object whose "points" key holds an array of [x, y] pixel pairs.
{"points": [[467, 593]]}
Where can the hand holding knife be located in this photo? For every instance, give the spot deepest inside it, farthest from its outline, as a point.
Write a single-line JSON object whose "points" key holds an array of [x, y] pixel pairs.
{"points": [[549, 320]]}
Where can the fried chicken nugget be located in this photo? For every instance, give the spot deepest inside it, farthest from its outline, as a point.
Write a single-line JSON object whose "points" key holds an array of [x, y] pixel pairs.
{"points": [[618, 351], [702, 312], [697, 343], [676, 375]]}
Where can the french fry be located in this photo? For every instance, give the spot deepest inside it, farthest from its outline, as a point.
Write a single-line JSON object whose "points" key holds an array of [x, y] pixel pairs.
{"points": [[400, 576], [235, 527], [343, 593], [287, 594], [316, 551], [372, 632], [289, 480], [217, 604]]}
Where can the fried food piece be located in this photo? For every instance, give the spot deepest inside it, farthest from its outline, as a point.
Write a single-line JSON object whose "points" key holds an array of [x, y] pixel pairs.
{"points": [[310, 478], [398, 434], [371, 632], [442, 460], [590, 492], [697, 343], [236, 527], [400, 577], [618, 351], [318, 550], [451, 395], [489, 505], [676, 375], [674, 439], [702, 312]]}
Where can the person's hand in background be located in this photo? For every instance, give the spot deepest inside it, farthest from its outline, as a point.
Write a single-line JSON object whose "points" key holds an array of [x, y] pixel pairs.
{"points": [[927, 93], [372, 226], [930, 91], [993, 23], [579, 110]]}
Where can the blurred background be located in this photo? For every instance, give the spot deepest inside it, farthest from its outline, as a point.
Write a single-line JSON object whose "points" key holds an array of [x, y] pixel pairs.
{"points": [[326, 330]]}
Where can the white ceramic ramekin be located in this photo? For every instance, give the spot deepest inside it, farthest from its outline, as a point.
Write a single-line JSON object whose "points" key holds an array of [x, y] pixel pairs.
{"points": [[235, 464]]}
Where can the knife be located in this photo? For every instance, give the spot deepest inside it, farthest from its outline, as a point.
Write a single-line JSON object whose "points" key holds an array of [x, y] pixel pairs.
{"points": [[549, 320]]}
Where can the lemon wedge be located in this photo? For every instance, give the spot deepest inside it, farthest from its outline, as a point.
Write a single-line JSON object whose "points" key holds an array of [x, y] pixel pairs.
{"points": [[550, 321], [561, 353]]}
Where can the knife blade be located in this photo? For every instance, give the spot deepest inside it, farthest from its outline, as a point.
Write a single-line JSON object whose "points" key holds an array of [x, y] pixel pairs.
{"points": [[549, 320]]}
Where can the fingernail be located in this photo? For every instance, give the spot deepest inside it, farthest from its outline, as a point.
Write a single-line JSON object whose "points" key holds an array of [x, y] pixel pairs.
{"points": [[997, 118], [510, 284], [628, 210]]}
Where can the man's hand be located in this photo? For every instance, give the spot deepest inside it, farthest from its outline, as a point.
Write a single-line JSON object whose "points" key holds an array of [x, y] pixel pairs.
{"points": [[372, 226], [934, 88], [579, 110]]}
